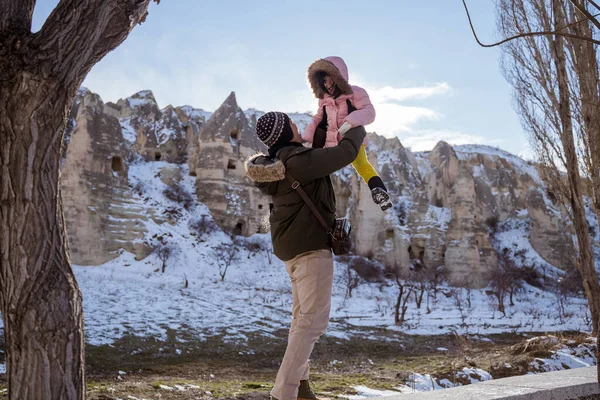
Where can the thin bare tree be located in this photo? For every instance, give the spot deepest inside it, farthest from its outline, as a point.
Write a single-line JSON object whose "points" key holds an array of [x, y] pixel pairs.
{"points": [[164, 252], [545, 79], [39, 77], [405, 290], [585, 97], [225, 256]]}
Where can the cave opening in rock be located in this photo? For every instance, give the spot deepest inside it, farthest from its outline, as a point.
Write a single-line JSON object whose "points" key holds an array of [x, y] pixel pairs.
{"points": [[118, 165], [239, 228]]}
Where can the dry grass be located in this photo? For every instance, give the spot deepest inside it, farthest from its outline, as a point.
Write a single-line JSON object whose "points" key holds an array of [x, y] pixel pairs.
{"points": [[216, 369]]}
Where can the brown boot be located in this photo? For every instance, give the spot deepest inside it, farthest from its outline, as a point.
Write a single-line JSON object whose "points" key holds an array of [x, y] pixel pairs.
{"points": [[305, 392]]}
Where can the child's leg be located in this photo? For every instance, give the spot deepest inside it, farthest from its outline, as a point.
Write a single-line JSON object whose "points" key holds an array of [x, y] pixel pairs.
{"points": [[370, 176], [363, 166]]}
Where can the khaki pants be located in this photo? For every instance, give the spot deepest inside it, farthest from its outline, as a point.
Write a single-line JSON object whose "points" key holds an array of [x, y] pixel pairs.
{"points": [[311, 274]]}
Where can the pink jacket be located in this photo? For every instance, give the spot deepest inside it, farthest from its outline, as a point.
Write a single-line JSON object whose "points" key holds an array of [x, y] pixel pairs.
{"points": [[337, 109]]}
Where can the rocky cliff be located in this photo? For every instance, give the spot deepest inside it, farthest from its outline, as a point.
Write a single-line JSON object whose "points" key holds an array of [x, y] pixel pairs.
{"points": [[448, 202]]}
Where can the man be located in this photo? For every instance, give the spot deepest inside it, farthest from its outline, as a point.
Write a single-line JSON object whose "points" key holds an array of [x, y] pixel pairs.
{"points": [[298, 238]]}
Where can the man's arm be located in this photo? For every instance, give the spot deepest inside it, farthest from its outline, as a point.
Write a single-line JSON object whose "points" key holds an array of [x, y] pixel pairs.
{"points": [[319, 163]]}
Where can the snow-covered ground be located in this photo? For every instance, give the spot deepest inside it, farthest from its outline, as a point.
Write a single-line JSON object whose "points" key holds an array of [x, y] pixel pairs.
{"points": [[130, 297], [563, 356], [255, 297], [423, 383], [126, 296]]}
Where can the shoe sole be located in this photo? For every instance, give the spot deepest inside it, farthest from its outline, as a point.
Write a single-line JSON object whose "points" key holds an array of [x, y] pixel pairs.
{"points": [[385, 195], [386, 206], [386, 203]]}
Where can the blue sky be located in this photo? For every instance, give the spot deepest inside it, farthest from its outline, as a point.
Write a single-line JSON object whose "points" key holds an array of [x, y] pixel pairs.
{"points": [[428, 79]]}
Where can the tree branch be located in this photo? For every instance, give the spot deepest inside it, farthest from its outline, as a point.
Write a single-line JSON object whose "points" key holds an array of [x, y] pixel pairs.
{"points": [[79, 33], [594, 4], [527, 34], [581, 8], [16, 15]]}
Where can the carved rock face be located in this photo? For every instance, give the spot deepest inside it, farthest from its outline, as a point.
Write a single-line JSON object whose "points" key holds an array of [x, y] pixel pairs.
{"points": [[224, 143], [446, 200], [95, 189]]}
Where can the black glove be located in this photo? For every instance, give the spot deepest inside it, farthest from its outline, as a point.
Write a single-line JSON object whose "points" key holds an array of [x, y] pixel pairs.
{"points": [[321, 132]]}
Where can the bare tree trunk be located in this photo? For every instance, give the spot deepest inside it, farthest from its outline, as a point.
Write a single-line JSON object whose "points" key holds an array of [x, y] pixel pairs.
{"points": [[500, 296], [419, 295], [41, 303], [586, 69], [398, 303], [39, 76], [586, 257], [405, 305], [556, 97], [402, 302], [585, 65]]}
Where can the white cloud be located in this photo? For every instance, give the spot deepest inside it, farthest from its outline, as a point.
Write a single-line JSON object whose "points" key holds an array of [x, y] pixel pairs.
{"points": [[388, 93], [394, 118]]}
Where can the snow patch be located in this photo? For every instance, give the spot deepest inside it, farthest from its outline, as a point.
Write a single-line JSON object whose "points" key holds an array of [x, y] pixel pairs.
{"points": [[196, 113], [364, 392], [467, 151], [127, 130]]}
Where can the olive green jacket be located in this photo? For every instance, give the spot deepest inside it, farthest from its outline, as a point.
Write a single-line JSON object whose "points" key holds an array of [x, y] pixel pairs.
{"points": [[294, 228]]}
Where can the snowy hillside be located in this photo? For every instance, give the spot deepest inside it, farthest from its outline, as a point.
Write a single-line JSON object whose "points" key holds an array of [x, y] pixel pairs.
{"points": [[129, 297], [139, 289]]}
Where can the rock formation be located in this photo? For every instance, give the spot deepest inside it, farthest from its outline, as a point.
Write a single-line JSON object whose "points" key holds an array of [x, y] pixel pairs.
{"points": [[225, 142], [100, 212], [447, 201]]}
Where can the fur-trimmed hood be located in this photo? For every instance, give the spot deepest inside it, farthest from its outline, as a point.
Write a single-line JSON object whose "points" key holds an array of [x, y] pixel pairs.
{"points": [[260, 168], [334, 67]]}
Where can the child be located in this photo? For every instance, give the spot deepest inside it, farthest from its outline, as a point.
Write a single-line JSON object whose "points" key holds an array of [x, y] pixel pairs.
{"points": [[341, 107]]}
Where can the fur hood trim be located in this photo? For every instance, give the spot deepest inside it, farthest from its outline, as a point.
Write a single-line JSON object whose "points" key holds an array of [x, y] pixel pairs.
{"points": [[334, 67], [260, 168]]}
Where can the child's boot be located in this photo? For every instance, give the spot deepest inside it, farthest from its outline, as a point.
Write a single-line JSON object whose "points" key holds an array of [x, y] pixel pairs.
{"points": [[379, 193]]}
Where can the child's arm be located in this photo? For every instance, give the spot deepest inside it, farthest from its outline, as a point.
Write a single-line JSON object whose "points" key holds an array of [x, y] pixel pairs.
{"points": [[365, 112], [309, 132]]}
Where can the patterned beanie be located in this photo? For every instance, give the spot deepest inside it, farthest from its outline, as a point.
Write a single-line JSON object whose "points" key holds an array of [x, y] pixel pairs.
{"points": [[274, 128]]}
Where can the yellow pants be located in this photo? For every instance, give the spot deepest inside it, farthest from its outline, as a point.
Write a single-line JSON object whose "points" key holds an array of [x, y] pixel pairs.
{"points": [[363, 166]]}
